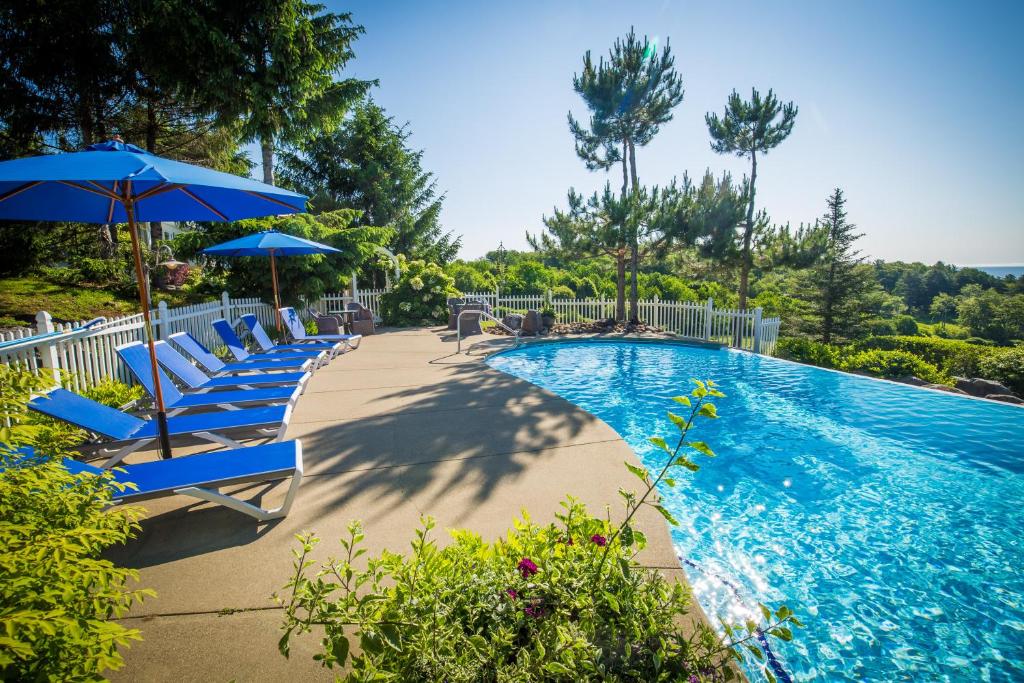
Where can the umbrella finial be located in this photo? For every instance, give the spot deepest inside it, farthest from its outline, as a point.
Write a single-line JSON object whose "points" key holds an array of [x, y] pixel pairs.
{"points": [[117, 138]]}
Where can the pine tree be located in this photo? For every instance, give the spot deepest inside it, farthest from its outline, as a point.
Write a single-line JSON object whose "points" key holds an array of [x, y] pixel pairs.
{"points": [[745, 129], [839, 282], [630, 97], [366, 164]]}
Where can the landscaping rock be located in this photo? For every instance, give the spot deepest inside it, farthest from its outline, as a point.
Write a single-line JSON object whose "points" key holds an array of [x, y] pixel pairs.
{"points": [[911, 380], [513, 321], [1006, 398], [531, 323], [943, 387], [977, 386]]}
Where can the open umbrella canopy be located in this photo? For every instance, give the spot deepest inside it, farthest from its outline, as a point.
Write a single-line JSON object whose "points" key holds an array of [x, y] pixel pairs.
{"points": [[267, 242], [114, 182], [93, 186]]}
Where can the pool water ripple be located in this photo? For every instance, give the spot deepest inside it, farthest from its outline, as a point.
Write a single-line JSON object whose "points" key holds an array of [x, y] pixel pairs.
{"points": [[891, 517]]}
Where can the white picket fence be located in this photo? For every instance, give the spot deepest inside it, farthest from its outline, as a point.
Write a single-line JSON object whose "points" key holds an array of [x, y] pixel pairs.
{"points": [[86, 352], [748, 330]]}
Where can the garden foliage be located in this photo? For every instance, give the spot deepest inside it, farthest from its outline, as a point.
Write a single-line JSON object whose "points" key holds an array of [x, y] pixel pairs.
{"points": [[59, 597], [420, 297], [559, 601]]}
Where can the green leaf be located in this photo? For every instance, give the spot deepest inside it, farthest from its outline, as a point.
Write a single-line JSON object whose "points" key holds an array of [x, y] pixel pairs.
{"points": [[756, 651], [340, 650], [683, 461], [683, 400], [557, 668], [638, 471], [765, 612], [612, 601], [391, 636], [702, 447], [666, 514], [660, 443], [708, 410], [677, 420]]}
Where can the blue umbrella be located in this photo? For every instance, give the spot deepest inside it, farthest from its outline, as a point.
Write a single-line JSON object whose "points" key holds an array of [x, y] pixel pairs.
{"points": [[113, 182], [270, 243]]}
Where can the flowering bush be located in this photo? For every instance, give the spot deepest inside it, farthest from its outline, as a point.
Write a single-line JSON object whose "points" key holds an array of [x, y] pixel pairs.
{"points": [[420, 297], [561, 601]]}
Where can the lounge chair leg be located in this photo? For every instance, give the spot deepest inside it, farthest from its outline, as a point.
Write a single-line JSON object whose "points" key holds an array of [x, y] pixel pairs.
{"points": [[124, 452], [245, 508], [217, 438]]}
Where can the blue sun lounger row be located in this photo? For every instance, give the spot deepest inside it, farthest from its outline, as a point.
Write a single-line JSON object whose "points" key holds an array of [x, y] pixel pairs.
{"points": [[202, 475]]}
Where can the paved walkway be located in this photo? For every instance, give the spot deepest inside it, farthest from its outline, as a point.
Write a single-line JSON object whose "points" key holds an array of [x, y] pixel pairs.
{"points": [[400, 428]]}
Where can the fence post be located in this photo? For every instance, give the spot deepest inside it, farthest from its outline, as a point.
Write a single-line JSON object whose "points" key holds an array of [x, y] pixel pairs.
{"points": [[709, 309], [225, 304], [163, 318], [757, 330], [48, 353], [657, 312], [355, 288]]}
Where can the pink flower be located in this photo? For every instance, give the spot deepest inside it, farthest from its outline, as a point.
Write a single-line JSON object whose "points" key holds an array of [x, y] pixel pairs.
{"points": [[527, 567], [512, 593], [598, 539]]}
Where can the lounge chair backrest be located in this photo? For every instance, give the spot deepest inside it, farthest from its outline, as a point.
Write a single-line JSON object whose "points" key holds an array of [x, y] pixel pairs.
{"points": [[294, 323], [258, 333], [195, 349], [136, 356], [227, 335], [179, 366], [87, 414]]}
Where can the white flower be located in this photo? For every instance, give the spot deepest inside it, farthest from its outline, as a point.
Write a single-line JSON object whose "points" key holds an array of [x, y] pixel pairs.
{"points": [[437, 312], [405, 306], [426, 298], [436, 290], [416, 283]]}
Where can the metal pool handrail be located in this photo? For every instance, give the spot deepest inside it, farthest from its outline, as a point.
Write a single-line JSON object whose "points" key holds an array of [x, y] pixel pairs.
{"points": [[484, 314]]}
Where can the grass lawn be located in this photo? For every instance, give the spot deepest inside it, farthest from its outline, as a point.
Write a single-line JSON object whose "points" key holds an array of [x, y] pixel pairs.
{"points": [[22, 297]]}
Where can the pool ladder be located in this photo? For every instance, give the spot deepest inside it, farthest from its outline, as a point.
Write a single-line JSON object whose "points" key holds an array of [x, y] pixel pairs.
{"points": [[484, 314]]}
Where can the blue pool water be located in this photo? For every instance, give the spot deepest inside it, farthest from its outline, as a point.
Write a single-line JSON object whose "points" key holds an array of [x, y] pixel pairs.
{"points": [[891, 518]]}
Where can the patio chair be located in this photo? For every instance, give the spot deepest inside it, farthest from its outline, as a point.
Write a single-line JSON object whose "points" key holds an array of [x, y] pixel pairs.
{"points": [[267, 345], [134, 432], [194, 378], [208, 360], [136, 356], [201, 475], [362, 320], [327, 324], [227, 335], [454, 306], [470, 324], [298, 331]]}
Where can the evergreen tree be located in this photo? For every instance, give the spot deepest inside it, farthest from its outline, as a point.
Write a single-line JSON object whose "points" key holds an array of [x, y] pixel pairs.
{"points": [[629, 97], [270, 65], [745, 129], [838, 283], [366, 164]]}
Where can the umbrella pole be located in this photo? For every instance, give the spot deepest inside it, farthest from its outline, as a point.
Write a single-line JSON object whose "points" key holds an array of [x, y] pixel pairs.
{"points": [[277, 296], [161, 411]]}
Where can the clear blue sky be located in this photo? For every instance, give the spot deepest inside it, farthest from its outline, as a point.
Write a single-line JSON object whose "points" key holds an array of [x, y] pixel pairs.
{"points": [[913, 108]]}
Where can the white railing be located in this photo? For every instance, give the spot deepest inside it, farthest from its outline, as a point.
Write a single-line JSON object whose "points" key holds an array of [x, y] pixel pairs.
{"points": [[370, 298], [88, 355], [747, 330]]}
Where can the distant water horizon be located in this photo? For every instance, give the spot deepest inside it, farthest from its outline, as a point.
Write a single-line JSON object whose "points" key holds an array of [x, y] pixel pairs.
{"points": [[1000, 271]]}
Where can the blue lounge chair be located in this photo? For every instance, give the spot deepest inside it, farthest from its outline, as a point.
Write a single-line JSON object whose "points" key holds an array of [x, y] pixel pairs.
{"points": [[136, 356], [267, 345], [227, 335], [208, 360], [202, 474], [194, 378], [134, 432], [298, 331]]}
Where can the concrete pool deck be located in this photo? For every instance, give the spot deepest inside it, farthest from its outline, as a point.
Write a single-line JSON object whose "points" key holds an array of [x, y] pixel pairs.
{"points": [[400, 428]]}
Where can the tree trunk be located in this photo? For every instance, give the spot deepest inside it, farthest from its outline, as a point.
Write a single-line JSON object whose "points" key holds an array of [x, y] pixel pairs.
{"points": [[748, 234], [634, 305], [267, 147], [632, 166], [620, 285], [625, 166], [156, 233]]}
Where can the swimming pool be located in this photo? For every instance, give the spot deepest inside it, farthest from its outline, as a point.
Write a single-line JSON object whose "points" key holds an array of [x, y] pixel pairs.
{"points": [[890, 517]]}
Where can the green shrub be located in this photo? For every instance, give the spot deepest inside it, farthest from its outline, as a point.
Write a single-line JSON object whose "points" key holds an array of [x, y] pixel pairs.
{"points": [[419, 297], [59, 597], [562, 292], [951, 356], [809, 351], [906, 325], [893, 364], [562, 601], [1005, 366], [882, 327], [115, 394]]}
